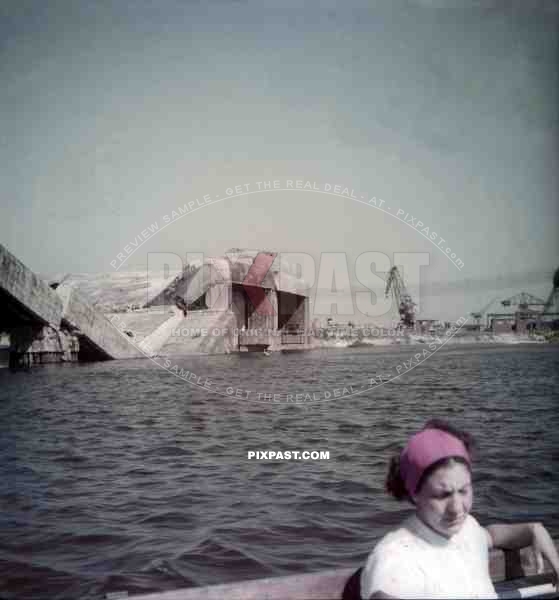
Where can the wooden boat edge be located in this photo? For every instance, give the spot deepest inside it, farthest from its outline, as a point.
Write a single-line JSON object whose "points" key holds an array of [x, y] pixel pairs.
{"points": [[504, 568]]}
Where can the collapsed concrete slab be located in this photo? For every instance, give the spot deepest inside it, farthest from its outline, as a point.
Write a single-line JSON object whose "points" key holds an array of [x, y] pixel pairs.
{"points": [[24, 296], [233, 303], [98, 336], [52, 323]]}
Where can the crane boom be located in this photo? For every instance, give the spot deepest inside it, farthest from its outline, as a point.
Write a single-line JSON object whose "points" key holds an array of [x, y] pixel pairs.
{"points": [[403, 300], [523, 301]]}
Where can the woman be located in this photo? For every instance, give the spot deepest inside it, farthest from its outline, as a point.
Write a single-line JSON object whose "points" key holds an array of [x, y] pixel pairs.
{"points": [[441, 551]]}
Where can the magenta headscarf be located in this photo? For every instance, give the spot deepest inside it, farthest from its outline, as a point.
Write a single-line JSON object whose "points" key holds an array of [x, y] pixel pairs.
{"points": [[424, 449]]}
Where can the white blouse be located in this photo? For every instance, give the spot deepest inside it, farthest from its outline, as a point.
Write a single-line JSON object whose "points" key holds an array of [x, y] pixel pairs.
{"points": [[415, 561]]}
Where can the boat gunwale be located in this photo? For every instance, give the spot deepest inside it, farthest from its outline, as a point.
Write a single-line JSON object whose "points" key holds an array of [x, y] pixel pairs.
{"points": [[508, 569]]}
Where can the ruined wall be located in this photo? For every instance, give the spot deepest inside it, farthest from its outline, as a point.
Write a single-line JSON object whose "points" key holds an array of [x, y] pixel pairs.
{"points": [[203, 332], [35, 296], [100, 333], [44, 344]]}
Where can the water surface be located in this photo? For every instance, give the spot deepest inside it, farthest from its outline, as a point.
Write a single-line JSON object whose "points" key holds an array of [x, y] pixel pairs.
{"points": [[118, 476]]}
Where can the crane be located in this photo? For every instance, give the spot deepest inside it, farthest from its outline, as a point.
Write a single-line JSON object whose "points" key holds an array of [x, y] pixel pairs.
{"points": [[552, 302], [524, 301], [403, 300]]}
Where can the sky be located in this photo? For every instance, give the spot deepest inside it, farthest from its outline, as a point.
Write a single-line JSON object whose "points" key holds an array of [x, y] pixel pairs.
{"points": [[114, 114]]}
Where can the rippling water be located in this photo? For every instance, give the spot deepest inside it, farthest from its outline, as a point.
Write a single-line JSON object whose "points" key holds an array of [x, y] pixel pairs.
{"points": [[118, 476]]}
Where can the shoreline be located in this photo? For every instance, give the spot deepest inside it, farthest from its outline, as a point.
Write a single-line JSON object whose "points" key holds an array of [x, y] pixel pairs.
{"points": [[377, 343]]}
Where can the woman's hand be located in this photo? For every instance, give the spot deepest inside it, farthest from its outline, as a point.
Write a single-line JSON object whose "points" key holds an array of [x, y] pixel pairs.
{"points": [[514, 537], [543, 546]]}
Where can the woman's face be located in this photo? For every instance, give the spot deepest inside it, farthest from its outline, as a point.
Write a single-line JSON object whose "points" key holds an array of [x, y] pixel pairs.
{"points": [[445, 499]]}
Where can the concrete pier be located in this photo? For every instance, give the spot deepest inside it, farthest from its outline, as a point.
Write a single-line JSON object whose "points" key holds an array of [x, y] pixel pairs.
{"points": [[110, 316], [47, 325], [25, 297]]}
